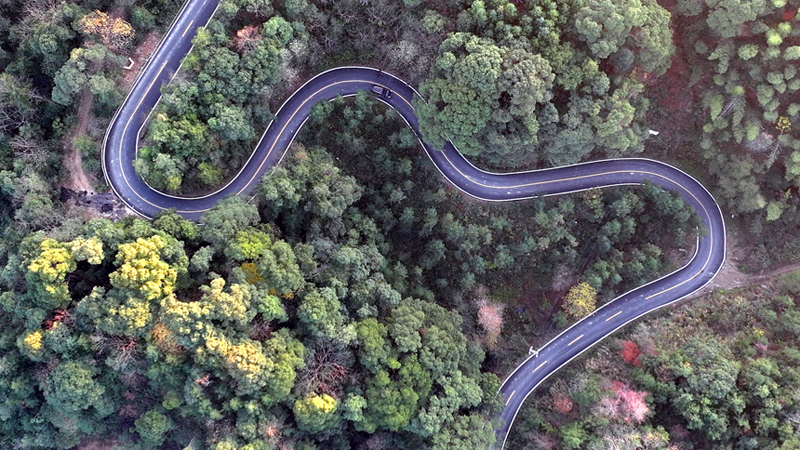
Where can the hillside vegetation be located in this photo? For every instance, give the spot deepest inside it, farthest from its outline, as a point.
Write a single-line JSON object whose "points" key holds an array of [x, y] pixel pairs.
{"points": [[357, 301]]}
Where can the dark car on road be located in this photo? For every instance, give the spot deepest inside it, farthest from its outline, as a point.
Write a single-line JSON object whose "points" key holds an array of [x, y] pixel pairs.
{"points": [[382, 91]]}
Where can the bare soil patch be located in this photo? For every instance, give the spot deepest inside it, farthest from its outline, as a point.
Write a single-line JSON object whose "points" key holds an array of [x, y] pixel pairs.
{"points": [[78, 179], [730, 277], [140, 56]]}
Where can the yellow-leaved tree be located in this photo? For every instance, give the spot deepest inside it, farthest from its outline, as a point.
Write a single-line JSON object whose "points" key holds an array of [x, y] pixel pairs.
{"points": [[580, 301], [142, 280], [316, 413], [89, 250], [142, 270], [266, 368], [47, 273]]}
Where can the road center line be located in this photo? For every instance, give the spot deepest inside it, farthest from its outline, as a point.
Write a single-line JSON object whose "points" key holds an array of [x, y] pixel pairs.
{"points": [[615, 315], [187, 28], [509, 397], [574, 340]]}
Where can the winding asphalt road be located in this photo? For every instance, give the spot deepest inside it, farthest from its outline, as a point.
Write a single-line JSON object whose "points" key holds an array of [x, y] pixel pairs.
{"points": [[120, 149]]}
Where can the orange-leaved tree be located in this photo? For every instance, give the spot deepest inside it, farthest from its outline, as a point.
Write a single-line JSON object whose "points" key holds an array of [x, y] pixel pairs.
{"points": [[114, 32]]}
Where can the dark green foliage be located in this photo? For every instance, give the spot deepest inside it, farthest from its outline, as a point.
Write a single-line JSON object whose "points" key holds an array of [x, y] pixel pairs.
{"points": [[452, 245], [70, 388], [515, 87], [226, 218], [206, 127], [84, 70], [747, 141], [492, 87], [606, 28], [317, 340], [151, 427]]}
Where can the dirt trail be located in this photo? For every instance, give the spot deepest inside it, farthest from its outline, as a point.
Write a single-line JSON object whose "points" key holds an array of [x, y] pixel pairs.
{"points": [[78, 179], [730, 277], [735, 278]]}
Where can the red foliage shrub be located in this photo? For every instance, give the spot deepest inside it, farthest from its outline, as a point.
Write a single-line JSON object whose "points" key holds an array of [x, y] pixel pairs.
{"points": [[630, 353], [629, 405], [490, 318], [247, 38], [562, 403]]}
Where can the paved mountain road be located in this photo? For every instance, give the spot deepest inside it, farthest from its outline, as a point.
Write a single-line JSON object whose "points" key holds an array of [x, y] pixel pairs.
{"points": [[120, 149]]}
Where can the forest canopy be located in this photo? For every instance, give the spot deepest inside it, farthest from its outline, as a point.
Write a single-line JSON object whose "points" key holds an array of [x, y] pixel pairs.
{"points": [[357, 301]]}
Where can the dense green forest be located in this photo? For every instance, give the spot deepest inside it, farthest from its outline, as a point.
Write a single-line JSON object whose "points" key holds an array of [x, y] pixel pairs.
{"points": [[357, 301]]}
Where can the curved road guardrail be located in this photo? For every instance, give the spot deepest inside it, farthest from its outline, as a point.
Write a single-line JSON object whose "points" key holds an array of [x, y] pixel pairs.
{"points": [[121, 146]]}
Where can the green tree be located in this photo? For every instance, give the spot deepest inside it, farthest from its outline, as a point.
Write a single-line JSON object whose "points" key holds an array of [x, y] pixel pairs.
{"points": [[311, 185], [573, 435], [231, 123], [391, 404], [248, 244], [176, 226], [225, 219], [607, 27], [18, 102], [487, 98], [320, 311], [181, 137], [465, 432], [152, 427], [459, 106], [47, 36], [84, 69], [653, 41], [279, 270], [377, 350], [71, 388], [726, 17], [702, 388]]}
